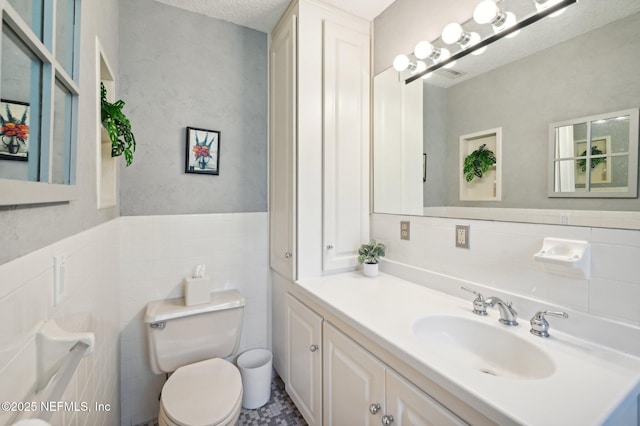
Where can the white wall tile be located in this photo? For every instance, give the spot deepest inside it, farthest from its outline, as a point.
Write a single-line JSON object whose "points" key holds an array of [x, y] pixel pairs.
{"points": [[89, 305], [157, 253], [613, 299], [501, 256]]}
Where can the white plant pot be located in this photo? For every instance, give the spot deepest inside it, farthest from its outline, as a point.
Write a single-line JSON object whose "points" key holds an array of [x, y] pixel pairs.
{"points": [[370, 269]]}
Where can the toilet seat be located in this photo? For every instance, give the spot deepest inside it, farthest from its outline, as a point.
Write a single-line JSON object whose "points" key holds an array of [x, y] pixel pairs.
{"points": [[204, 393]]}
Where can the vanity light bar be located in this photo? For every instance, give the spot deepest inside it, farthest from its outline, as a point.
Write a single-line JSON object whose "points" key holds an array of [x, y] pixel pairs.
{"points": [[495, 37]]}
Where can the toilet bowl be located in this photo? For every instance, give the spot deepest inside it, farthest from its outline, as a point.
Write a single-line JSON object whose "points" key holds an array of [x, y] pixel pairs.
{"points": [[204, 393], [191, 342]]}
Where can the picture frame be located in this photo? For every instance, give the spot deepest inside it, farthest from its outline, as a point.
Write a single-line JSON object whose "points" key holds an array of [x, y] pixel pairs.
{"points": [[202, 154], [14, 130]]}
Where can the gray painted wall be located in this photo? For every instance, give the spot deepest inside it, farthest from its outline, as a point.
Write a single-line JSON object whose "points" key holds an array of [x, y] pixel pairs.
{"points": [[181, 69], [24, 229], [564, 82]]}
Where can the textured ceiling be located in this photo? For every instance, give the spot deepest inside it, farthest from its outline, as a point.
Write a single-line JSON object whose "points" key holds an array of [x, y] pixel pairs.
{"points": [[262, 15]]}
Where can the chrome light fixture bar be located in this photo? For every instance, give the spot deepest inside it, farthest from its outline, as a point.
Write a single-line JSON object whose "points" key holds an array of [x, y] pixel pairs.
{"points": [[495, 37]]}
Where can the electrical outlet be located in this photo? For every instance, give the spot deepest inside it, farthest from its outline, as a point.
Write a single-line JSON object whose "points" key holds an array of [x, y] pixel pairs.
{"points": [[462, 236], [405, 230]]}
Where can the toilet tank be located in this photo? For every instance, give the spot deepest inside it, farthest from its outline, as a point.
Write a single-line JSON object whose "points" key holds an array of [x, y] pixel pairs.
{"points": [[180, 335]]}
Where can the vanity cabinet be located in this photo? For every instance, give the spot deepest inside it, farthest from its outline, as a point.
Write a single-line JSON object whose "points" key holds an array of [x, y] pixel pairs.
{"points": [[360, 390], [304, 370], [333, 380]]}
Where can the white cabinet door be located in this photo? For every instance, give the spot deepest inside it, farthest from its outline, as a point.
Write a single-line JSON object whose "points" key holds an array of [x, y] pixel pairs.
{"points": [[409, 406], [353, 382], [282, 202], [346, 145], [304, 381]]}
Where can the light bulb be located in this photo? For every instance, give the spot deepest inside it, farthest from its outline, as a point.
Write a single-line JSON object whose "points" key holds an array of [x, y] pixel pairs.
{"points": [[424, 50], [486, 12], [444, 55], [509, 22], [420, 66], [401, 63], [452, 33], [473, 40]]}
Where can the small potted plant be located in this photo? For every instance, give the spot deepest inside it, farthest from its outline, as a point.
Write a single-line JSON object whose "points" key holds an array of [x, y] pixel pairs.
{"points": [[368, 255]]}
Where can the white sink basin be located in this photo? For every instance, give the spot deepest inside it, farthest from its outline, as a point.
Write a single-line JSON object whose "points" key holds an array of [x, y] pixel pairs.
{"points": [[487, 349]]}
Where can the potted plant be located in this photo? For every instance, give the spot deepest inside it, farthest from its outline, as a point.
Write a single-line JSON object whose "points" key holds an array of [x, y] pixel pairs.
{"points": [[478, 162], [117, 126], [369, 255]]}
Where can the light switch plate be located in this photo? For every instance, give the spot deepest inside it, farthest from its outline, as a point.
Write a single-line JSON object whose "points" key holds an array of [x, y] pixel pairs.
{"points": [[59, 278]]}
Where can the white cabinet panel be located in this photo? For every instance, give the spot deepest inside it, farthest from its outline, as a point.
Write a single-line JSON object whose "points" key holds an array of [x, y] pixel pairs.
{"points": [[304, 377], [346, 145], [409, 406], [282, 201], [353, 381]]}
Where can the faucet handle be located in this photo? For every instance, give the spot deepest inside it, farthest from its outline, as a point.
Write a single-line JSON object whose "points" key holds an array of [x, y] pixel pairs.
{"points": [[479, 306], [540, 325]]}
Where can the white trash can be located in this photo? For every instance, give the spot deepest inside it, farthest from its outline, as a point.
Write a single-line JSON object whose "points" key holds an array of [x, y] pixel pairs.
{"points": [[255, 369]]}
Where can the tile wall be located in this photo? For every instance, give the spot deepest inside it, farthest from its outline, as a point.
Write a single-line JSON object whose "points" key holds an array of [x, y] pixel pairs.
{"points": [[113, 271], [157, 252], [501, 257], [90, 303]]}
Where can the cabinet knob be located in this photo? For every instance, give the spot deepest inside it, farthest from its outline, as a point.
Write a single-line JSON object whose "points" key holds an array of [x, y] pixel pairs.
{"points": [[313, 348], [329, 247], [387, 420], [374, 408], [288, 255]]}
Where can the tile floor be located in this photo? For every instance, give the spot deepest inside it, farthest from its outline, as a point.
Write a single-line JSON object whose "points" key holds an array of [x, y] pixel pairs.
{"points": [[279, 411]]}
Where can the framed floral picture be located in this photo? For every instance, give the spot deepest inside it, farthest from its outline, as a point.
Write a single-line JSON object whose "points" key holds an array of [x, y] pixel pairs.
{"points": [[14, 130], [203, 151]]}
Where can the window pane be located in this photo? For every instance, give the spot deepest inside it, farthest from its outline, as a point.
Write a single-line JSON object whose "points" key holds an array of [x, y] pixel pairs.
{"points": [[64, 34], [61, 134], [31, 12], [615, 130], [568, 176], [21, 95]]}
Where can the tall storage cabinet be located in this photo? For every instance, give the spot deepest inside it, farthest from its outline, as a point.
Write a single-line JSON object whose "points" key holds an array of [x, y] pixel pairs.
{"points": [[319, 128], [319, 89]]}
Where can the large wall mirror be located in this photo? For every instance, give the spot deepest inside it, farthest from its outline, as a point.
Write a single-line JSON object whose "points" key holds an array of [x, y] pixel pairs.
{"points": [[581, 64], [38, 100]]}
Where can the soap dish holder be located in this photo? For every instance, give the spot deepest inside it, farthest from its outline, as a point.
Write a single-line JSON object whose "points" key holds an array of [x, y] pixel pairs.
{"points": [[565, 257]]}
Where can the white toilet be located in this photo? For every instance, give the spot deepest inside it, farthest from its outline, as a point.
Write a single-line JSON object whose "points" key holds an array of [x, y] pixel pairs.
{"points": [[191, 341]]}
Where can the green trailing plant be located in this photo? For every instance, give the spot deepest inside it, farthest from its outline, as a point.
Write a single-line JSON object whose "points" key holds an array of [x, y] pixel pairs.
{"points": [[118, 127], [370, 253], [594, 161], [478, 162]]}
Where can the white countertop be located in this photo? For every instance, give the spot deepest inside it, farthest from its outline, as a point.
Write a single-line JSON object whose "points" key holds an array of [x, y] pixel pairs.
{"points": [[588, 384]]}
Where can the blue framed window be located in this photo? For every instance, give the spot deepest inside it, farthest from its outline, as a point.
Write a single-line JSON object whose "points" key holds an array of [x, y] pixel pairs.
{"points": [[39, 90]]}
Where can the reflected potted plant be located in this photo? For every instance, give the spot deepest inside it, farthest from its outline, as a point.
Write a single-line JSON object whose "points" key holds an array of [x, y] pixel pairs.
{"points": [[117, 126], [369, 255], [478, 162]]}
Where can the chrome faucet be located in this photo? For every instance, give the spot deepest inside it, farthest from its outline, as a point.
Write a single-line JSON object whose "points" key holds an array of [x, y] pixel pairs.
{"points": [[539, 324], [479, 306], [508, 315]]}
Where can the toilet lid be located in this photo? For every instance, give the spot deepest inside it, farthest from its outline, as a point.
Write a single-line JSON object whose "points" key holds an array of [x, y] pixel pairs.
{"points": [[203, 393]]}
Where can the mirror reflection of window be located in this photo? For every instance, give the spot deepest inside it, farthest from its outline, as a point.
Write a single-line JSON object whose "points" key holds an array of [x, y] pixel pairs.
{"points": [[31, 11], [593, 155], [20, 68], [65, 11], [61, 134]]}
